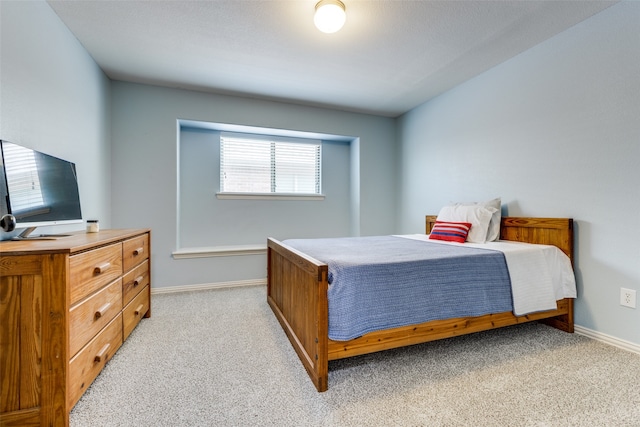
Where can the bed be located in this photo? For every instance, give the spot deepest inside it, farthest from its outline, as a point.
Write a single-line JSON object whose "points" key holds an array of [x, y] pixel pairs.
{"points": [[297, 286]]}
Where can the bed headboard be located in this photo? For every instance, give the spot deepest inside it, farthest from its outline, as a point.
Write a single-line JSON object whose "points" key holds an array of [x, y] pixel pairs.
{"points": [[546, 231]]}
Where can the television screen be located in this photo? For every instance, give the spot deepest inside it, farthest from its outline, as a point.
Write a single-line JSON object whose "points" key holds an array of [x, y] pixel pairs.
{"points": [[40, 189]]}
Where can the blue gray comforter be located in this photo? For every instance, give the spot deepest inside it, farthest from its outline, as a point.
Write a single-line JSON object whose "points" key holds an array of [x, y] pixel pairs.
{"points": [[383, 282]]}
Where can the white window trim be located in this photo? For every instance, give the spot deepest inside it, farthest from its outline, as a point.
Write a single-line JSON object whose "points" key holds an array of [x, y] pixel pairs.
{"points": [[217, 251], [268, 196]]}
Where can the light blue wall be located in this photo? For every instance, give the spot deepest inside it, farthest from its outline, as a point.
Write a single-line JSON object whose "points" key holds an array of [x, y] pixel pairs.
{"points": [[54, 98], [555, 132], [145, 177]]}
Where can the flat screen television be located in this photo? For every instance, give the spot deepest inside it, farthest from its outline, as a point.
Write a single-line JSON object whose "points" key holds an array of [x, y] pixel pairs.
{"points": [[38, 189]]}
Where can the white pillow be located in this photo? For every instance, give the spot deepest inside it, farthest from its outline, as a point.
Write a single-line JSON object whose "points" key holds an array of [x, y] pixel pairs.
{"points": [[493, 232], [477, 215]]}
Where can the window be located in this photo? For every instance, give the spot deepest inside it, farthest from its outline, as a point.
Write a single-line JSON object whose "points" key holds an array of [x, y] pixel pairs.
{"points": [[256, 164]]}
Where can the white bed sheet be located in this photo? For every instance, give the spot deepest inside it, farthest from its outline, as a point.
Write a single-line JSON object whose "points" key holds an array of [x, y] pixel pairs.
{"points": [[540, 274]]}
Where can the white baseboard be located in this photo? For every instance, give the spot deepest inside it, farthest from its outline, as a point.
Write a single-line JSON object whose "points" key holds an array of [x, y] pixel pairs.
{"points": [[206, 286], [607, 339]]}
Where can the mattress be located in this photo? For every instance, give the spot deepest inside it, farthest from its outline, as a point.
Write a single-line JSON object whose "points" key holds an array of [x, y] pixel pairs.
{"points": [[382, 282]]}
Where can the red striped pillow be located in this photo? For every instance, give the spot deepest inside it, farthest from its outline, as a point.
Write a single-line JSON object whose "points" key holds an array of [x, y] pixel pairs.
{"points": [[450, 231]]}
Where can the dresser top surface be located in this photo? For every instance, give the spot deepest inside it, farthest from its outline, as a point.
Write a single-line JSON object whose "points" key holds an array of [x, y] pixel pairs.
{"points": [[72, 242]]}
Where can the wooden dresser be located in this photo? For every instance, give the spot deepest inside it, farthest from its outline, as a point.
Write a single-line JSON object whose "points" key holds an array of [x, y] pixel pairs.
{"points": [[66, 306]]}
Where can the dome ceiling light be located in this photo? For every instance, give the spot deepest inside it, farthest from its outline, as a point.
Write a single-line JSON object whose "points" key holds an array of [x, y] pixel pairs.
{"points": [[330, 15]]}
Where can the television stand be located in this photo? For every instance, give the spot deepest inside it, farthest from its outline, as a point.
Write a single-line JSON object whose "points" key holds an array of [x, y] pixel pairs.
{"points": [[26, 235], [40, 237], [66, 306]]}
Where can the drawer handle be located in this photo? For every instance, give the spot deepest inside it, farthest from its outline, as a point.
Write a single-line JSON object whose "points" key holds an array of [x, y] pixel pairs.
{"points": [[99, 269], [139, 310], [138, 251], [102, 354], [101, 311], [138, 280]]}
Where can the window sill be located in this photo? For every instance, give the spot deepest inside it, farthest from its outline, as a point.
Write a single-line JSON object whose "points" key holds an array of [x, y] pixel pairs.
{"points": [[215, 251], [268, 196]]}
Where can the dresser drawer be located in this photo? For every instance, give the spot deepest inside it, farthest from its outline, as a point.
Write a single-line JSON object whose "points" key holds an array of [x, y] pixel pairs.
{"points": [[133, 313], [88, 363], [135, 251], [89, 271], [134, 281], [90, 315]]}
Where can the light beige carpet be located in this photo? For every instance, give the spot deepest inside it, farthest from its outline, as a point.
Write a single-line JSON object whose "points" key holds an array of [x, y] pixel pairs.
{"points": [[219, 358]]}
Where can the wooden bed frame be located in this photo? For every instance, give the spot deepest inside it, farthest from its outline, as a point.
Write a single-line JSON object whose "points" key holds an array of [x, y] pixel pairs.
{"points": [[297, 293]]}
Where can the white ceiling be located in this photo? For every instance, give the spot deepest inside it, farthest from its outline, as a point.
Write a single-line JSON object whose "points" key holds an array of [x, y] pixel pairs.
{"points": [[391, 55]]}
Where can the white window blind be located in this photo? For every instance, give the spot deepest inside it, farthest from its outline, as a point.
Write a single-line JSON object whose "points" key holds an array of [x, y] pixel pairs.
{"points": [[22, 177], [262, 165]]}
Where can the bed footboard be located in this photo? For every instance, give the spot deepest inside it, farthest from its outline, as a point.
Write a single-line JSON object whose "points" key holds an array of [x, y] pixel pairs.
{"points": [[297, 294]]}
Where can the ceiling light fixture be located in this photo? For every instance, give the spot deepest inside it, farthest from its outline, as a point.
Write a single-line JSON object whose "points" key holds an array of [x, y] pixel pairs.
{"points": [[330, 15]]}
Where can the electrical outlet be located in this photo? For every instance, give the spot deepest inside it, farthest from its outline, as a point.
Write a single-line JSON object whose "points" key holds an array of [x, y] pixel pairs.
{"points": [[628, 297]]}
